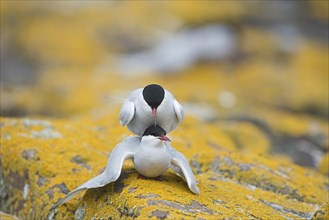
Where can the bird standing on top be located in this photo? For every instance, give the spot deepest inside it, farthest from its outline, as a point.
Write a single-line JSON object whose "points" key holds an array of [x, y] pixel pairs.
{"points": [[148, 106]]}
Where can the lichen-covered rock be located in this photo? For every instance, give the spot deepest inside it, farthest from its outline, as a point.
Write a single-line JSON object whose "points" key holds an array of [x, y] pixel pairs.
{"points": [[324, 165], [266, 87], [268, 98], [322, 213], [5, 216], [42, 160]]}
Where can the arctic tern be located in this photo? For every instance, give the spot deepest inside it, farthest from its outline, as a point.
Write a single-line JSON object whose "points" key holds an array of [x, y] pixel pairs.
{"points": [[151, 105], [152, 155]]}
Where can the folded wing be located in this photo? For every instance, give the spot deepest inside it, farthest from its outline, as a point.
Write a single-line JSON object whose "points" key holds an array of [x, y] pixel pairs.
{"points": [[178, 110], [181, 166], [127, 112]]}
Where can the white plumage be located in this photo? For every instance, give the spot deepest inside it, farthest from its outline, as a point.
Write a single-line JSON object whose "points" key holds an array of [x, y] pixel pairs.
{"points": [[151, 157], [137, 115]]}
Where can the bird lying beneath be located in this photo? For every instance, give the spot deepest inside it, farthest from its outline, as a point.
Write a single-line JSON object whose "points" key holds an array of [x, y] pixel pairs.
{"points": [[152, 155]]}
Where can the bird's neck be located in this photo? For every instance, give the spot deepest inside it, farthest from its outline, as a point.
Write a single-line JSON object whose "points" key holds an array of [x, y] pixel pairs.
{"points": [[153, 145]]}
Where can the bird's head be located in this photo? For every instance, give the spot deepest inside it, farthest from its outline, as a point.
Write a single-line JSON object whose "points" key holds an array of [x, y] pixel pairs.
{"points": [[153, 95], [154, 133]]}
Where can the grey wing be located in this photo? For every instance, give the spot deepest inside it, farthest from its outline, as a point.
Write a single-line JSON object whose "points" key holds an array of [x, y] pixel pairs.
{"points": [[177, 170], [178, 110], [127, 112], [181, 166], [121, 152]]}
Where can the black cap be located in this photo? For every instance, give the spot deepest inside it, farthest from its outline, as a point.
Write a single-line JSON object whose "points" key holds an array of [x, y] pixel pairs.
{"points": [[153, 94], [154, 130]]}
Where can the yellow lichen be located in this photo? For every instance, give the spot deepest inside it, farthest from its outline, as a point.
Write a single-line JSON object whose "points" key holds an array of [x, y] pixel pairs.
{"points": [[322, 213], [277, 94], [324, 164], [232, 184]]}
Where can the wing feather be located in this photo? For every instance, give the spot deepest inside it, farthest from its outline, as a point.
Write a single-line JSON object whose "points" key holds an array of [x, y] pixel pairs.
{"points": [[181, 166], [121, 152], [178, 110], [127, 112]]}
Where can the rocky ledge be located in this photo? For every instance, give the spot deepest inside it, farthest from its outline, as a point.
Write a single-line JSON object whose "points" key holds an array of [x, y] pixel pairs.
{"points": [[43, 159]]}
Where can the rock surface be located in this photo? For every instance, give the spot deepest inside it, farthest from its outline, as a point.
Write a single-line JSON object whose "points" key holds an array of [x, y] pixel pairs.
{"points": [[261, 109], [44, 159], [59, 60]]}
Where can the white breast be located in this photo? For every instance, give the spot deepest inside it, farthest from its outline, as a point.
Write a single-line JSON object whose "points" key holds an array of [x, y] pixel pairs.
{"points": [[152, 161]]}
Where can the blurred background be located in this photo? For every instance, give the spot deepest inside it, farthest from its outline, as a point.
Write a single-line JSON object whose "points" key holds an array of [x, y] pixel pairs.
{"points": [[256, 69]]}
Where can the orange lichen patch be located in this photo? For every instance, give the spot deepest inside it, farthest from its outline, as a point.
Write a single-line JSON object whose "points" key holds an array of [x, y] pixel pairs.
{"points": [[45, 159]]}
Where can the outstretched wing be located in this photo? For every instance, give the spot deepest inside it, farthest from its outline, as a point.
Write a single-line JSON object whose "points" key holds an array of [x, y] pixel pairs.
{"points": [[127, 112], [178, 110], [181, 166], [121, 152]]}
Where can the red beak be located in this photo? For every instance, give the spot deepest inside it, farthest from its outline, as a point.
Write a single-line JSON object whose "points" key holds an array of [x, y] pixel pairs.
{"points": [[164, 138], [154, 113]]}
